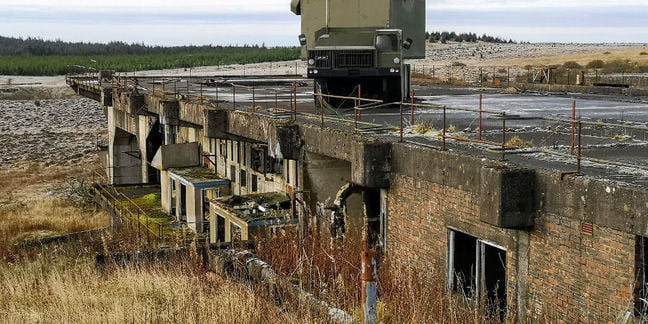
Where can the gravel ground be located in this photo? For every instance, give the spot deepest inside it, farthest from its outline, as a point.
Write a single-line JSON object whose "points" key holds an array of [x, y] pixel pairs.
{"points": [[50, 132]]}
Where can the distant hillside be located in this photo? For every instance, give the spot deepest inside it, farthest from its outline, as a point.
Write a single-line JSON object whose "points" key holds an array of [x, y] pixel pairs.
{"points": [[445, 36], [10, 46]]}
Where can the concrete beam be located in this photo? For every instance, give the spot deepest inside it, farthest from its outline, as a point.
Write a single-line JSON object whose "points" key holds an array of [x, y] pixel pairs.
{"points": [[216, 123], [176, 156], [371, 164], [284, 142], [603, 202], [507, 197]]}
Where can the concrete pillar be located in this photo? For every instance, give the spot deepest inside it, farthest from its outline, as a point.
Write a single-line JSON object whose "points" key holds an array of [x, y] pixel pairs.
{"points": [[194, 209], [143, 130], [228, 229], [165, 191], [111, 142]]}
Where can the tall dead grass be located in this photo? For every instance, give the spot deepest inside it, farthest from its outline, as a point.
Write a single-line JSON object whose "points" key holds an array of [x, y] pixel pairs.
{"points": [[35, 204], [75, 291], [33, 220]]}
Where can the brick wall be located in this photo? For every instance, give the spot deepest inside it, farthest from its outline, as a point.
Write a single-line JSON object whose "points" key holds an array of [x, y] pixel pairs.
{"points": [[579, 277], [419, 215]]}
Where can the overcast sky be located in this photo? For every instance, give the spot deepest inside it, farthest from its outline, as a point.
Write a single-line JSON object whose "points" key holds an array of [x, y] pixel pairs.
{"points": [[197, 22]]}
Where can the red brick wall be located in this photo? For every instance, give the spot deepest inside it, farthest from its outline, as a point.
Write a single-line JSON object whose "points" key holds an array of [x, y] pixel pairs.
{"points": [[576, 276], [571, 276], [419, 214]]}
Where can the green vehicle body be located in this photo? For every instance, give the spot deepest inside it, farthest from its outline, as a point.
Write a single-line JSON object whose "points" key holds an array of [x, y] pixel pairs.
{"points": [[354, 46]]}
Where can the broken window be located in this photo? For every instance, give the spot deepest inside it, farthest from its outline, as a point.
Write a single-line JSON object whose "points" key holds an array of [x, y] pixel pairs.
{"points": [[477, 269], [258, 155], [263, 163], [223, 149], [233, 173], [641, 275], [235, 232]]}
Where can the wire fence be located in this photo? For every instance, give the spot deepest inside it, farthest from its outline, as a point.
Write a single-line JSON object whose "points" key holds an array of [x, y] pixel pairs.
{"points": [[459, 73], [496, 138]]}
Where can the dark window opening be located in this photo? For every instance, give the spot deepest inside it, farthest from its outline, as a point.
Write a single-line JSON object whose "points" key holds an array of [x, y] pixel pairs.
{"points": [[255, 184], [478, 269], [220, 228], [463, 272], [223, 149], [183, 202], [243, 178], [235, 232], [233, 173], [494, 268], [263, 163], [231, 150]]}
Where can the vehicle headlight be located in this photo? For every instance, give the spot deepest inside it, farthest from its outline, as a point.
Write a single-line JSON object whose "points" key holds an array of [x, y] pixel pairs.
{"points": [[311, 62], [396, 60]]}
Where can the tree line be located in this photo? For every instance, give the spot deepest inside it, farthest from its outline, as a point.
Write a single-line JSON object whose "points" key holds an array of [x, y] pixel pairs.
{"points": [[443, 37], [35, 56], [10, 46]]}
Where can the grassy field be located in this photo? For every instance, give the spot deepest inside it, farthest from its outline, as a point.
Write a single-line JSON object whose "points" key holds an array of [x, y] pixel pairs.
{"points": [[59, 65]]}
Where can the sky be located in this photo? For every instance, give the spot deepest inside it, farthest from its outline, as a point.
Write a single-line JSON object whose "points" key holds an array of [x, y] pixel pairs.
{"points": [[270, 22]]}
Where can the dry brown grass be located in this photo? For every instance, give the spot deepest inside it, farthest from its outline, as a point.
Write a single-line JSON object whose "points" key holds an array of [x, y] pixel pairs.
{"points": [[33, 205], [633, 55], [75, 291], [34, 220]]}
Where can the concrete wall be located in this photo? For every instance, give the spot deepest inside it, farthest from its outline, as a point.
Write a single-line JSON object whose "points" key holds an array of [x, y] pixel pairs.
{"points": [[555, 267]]}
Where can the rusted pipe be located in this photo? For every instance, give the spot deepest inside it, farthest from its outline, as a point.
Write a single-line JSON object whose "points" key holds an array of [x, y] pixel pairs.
{"points": [[443, 134], [234, 96], [579, 156], [481, 110], [503, 136], [368, 275], [253, 99]]}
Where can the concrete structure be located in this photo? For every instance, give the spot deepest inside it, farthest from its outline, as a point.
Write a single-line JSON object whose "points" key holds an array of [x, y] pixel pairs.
{"points": [[532, 242], [238, 218]]}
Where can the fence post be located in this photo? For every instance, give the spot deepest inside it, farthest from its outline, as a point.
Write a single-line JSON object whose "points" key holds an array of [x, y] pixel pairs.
{"points": [[573, 127], [412, 108], [401, 123], [503, 136], [480, 116], [234, 96], [443, 134]]}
